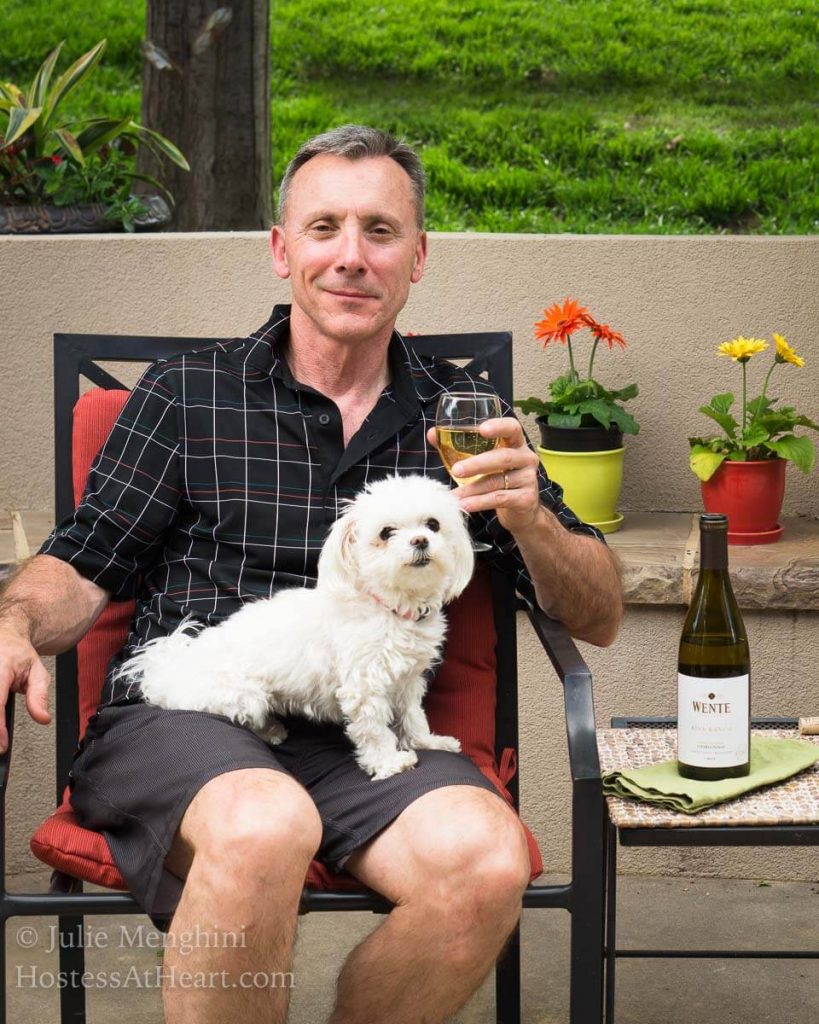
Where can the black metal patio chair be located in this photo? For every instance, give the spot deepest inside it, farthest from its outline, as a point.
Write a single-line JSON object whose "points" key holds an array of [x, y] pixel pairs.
{"points": [[77, 356]]}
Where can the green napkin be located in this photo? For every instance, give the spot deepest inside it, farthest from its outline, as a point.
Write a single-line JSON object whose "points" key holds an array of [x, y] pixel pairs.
{"points": [[771, 761]]}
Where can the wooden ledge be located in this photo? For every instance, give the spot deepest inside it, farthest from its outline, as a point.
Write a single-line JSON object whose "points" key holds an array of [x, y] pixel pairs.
{"points": [[660, 556]]}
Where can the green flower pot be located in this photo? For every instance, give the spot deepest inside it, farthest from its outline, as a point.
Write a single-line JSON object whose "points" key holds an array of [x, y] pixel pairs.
{"points": [[591, 480]]}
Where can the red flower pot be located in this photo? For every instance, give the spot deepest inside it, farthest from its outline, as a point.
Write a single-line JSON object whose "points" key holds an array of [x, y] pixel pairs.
{"points": [[750, 494]]}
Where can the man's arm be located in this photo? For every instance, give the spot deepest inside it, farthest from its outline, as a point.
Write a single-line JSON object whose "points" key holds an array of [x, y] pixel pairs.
{"points": [[576, 577], [45, 608]]}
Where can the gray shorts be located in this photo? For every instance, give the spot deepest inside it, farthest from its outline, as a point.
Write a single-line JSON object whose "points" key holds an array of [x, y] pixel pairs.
{"points": [[139, 767]]}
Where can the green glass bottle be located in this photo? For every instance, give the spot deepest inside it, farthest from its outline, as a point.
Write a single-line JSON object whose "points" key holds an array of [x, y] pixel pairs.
{"points": [[714, 672]]}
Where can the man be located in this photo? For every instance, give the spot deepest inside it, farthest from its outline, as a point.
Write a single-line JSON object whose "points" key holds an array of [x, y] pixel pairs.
{"points": [[216, 486]]}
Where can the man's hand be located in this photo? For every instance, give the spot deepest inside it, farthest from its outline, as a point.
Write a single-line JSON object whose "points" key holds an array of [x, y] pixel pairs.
{"points": [[509, 482], [576, 578], [21, 671]]}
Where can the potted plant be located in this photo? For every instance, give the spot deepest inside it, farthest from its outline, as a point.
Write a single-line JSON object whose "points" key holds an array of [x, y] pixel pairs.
{"points": [[742, 472], [582, 424], [59, 174]]}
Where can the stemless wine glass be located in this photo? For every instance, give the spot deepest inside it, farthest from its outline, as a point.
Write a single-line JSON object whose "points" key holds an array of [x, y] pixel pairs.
{"points": [[457, 418]]}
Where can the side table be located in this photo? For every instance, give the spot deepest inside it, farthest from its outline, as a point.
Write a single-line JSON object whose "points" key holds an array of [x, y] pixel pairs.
{"points": [[786, 814]]}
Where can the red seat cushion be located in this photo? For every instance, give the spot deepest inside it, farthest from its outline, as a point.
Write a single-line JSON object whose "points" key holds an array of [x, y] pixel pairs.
{"points": [[460, 702]]}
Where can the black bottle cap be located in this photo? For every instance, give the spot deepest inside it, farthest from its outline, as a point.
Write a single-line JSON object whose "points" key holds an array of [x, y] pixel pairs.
{"points": [[713, 521]]}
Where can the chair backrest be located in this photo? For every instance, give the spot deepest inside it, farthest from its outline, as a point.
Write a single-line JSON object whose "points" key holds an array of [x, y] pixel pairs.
{"points": [[76, 356]]}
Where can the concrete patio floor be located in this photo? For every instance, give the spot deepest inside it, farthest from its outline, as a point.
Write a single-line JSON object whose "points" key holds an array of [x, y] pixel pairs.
{"points": [[667, 912]]}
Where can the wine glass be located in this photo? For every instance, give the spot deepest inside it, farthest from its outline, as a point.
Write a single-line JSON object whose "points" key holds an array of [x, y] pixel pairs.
{"points": [[457, 418]]}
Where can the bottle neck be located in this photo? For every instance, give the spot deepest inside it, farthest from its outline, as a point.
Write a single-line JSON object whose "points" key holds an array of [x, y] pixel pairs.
{"points": [[714, 550]]}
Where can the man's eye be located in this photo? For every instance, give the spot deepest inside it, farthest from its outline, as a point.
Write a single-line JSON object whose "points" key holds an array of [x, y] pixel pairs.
{"points": [[434, 525], [387, 532]]}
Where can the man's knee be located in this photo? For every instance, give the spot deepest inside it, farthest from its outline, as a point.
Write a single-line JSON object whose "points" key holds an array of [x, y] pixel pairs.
{"points": [[251, 824], [488, 859], [475, 854]]}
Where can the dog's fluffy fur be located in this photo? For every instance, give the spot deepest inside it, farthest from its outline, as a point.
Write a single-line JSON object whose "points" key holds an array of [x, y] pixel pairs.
{"points": [[355, 649]]}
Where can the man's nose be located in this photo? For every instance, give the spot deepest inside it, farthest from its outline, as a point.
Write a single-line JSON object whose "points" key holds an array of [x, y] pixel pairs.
{"points": [[420, 542], [350, 257]]}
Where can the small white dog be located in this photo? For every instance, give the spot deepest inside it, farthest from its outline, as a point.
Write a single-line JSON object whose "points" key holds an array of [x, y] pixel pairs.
{"points": [[355, 649]]}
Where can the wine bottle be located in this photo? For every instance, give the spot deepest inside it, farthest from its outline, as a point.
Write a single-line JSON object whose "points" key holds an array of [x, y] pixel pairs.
{"points": [[714, 673]]}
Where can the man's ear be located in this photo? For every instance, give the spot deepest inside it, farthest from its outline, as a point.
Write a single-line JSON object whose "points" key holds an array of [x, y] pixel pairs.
{"points": [[420, 257], [279, 251]]}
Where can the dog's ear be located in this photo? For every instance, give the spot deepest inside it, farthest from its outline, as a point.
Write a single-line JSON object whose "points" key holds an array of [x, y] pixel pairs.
{"points": [[336, 558], [463, 563]]}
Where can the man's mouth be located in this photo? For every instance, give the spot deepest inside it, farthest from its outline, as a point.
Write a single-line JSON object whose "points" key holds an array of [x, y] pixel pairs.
{"points": [[343, 293]]}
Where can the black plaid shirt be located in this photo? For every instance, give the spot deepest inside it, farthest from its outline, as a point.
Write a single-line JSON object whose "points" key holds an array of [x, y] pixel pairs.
{"points": [[222, 475]]}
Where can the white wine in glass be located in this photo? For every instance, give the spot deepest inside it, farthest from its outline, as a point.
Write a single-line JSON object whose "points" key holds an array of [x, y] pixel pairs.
{"points": [[457, 420]]}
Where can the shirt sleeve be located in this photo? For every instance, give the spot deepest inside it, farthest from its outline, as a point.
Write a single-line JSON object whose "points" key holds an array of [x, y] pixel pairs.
{"points": [[131, 495]]}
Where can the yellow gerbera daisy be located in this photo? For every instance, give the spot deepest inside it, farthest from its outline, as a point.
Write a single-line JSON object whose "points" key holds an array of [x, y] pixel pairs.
{"points": [[741, 349], [784, 353]]}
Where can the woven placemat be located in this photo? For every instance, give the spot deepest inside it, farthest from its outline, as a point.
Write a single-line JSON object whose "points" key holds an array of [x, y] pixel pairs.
{"points": [[793, 802]]}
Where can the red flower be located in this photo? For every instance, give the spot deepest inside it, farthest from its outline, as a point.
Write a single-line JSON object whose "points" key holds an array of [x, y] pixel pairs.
{"points": [[604, 333], [559, 322], [56, 160]]}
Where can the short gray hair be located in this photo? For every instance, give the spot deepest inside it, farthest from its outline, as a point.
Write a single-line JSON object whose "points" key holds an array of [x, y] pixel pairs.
{"points": [[356, 142]]}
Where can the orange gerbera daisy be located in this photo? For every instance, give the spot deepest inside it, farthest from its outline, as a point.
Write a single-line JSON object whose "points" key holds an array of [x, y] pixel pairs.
{"points": [[560, 321], [603, 332]]}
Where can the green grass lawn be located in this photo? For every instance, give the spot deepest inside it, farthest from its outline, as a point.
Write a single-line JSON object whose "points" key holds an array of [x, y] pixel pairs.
{"points": [[532, 115]]}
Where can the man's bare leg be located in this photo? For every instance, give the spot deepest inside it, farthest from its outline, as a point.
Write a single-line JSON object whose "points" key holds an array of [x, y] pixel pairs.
{"points": [[455, 863], [244, 846]]}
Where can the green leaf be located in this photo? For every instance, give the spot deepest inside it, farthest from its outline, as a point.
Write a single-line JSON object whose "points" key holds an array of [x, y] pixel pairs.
{"points": [[624, 394], [20, 120], [601, 411], [99, 132], [624, 420], [722, 403], [799, 450], [704, 462], [69, 144], [10, 92], [42, 80], [759, 406], [727, 422], [803, 421], [532, 405], [558, 419], [156, 141], [754, 435], [737, 455], [73, 77], [156, 184]]}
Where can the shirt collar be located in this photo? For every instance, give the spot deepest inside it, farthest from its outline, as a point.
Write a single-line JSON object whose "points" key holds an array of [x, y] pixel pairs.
{"points": [[413, 378]]}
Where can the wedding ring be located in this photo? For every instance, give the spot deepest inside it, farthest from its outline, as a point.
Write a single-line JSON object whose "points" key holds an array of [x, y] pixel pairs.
{"points": [[505, 482]]}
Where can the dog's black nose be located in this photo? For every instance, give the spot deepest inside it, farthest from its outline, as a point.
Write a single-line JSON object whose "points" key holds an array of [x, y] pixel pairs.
{"points": [[422, 543]]}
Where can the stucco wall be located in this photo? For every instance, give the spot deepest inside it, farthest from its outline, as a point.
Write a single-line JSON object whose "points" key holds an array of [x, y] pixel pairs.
{"points": [[674, 299]]}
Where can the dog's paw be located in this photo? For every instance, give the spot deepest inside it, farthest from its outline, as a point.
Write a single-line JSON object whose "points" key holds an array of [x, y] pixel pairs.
{"points": [[383, 766], [273, 732], [433, 742]]}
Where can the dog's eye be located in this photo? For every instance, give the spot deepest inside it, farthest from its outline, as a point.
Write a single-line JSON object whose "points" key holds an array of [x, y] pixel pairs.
{"points": [[387, 532], [434, 525]]}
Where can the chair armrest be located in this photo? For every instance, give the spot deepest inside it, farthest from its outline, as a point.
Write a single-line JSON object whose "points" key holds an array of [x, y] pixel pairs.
{"points": [[578, 696]]}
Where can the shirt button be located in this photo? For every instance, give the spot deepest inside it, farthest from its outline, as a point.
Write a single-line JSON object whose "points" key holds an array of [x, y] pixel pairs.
{"points": [[324, 419]]}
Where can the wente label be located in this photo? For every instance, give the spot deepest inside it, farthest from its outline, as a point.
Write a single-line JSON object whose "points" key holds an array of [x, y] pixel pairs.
{"points": [[712, 721]]}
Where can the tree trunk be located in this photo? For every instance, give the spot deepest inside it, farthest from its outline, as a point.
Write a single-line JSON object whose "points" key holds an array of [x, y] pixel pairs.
{"points": [[215, 106]]}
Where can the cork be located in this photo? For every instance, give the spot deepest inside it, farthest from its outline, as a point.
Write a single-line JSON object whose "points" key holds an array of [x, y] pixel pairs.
{"points": [[809, 726]]}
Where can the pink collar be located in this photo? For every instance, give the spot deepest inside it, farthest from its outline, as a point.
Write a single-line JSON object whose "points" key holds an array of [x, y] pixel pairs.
{"points": [[414, 616]]}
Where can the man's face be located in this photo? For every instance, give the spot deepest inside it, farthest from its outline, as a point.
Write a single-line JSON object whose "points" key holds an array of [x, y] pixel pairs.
{"points": [[350, 246]]}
